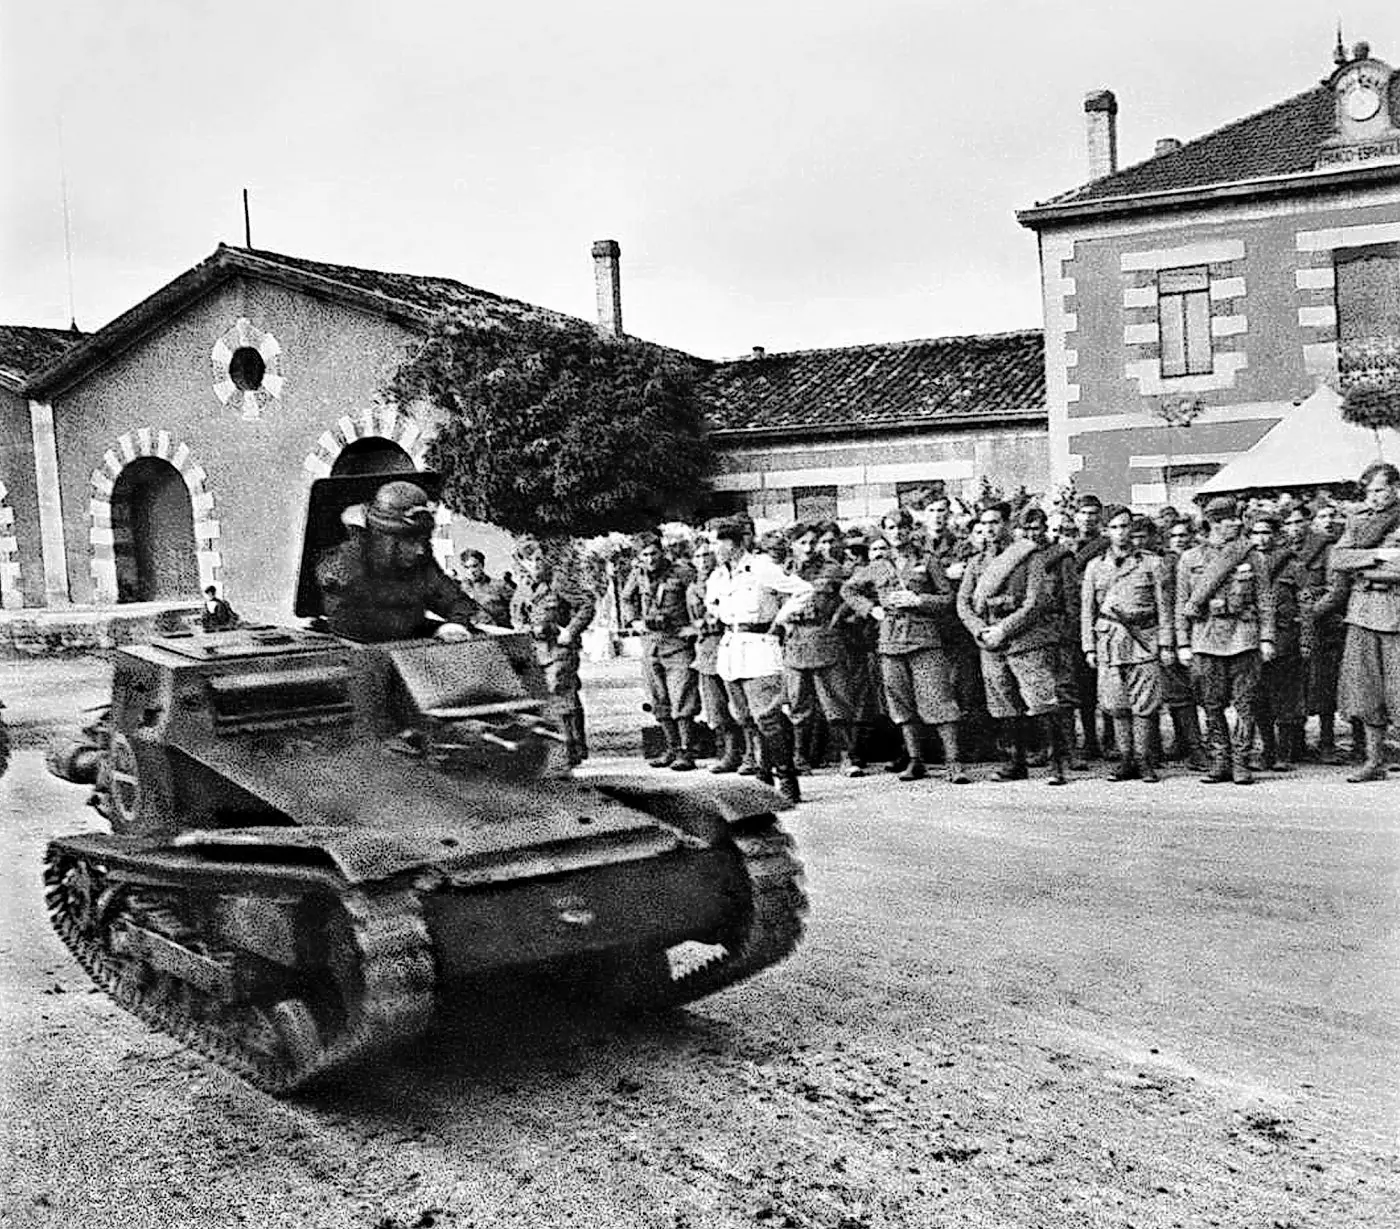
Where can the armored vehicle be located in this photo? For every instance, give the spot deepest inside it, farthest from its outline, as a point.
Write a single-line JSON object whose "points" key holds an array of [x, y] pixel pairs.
{"points": [[319, 847]]}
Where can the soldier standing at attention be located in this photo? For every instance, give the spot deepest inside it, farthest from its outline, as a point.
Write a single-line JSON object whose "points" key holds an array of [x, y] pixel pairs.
{"points": [[907, 595], [1324, 610], [653, 603], [1089, 544], [1224, 632], [1178, 692], [1126, 630], [1369, 553], [1063, 576], [745, 593], [1282, 681], [554, 612], [706, 633]]}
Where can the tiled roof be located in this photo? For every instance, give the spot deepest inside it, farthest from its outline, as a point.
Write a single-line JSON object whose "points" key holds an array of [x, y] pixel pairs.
{"points": [[1282, 140], [24, 349], [892, 384]]}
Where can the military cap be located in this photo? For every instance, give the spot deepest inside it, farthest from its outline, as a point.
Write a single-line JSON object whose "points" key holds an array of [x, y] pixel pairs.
{"points": [[1089, 500], [1114, 511], [1221, 508], [733, 528], [1032, 514], [399, 508]]}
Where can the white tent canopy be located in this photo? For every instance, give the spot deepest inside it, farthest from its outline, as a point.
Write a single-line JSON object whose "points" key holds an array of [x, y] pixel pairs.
{"points": [[1313, 445]]}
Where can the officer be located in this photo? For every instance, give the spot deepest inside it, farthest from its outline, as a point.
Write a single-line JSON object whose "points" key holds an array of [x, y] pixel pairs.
{"points": [[382, 582], [491, 595]]}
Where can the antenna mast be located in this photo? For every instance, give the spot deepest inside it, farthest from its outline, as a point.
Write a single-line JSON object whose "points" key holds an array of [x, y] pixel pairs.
{"points": [[247, 223], [67, 227]]}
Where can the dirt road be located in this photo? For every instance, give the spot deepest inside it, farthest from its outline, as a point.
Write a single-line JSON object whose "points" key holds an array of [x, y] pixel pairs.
{"points": [[1015, 1007]]}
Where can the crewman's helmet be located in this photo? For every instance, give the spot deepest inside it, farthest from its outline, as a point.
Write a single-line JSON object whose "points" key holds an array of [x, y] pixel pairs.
{"points": [[401, 509]]}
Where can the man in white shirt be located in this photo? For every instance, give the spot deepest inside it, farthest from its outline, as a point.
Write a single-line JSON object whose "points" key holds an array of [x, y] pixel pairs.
{"points": [[745, 593]]}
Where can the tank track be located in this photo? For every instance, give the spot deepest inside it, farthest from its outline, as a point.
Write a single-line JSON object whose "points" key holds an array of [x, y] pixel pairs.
{"points": [[383, 967], [690, 971]]}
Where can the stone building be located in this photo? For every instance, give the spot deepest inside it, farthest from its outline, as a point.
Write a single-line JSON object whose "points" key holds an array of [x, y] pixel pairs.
{"points": [[1191, 301]]}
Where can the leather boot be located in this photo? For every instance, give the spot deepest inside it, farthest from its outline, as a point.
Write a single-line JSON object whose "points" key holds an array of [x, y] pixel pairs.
{"points": [[1015, 768], [749, 761], [953, 771], [1241, 746], [1373, 769], [1283, 744], [684, 760], [673, 743], [1358, 741], [1327, 739], [915, 769], [1186, 725], [1268, 745], [1218, 737], [843, 734], [575, 741], [1059, 753], [1089, 720], [777, 756], [802, 744], [1147, 757], [1123, 731], [733, 754]]}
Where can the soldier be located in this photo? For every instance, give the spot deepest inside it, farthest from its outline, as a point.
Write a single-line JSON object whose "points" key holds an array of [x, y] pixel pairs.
{"points": [[1089, 545], [1317, 537], [744, 593], [554, 611], [491, 595], [1178, 692], [1126, 633], [906, 594], [706, 633], [1224, 631], [1369, 554], [1063, 577], [382, 582], [1005, 602], [1281, 681], [653, 603], [217, 615]]}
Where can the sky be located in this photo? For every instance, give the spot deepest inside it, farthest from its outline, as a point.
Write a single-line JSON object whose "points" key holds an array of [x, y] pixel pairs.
{"points": [[792, 175]]}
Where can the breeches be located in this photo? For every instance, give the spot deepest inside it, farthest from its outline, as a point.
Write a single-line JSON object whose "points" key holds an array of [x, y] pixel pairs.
{"points": [[1281, 684], [919, 685], [715, 698], [829, 690], [758, 702], [1370, 686], [1134, 689], [1222, 681], [1022, 683], [673, 688]]}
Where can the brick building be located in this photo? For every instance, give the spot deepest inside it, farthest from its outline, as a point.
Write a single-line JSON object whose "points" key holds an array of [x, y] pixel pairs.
{"points": [[1191, 301]]}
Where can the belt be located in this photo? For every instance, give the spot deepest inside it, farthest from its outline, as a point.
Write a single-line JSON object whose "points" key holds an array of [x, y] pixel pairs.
{"points": [[761, 628]]}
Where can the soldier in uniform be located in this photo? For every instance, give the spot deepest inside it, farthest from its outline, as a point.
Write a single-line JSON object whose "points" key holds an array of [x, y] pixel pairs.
{"points": [[1178, 692], [1089, 545], [217, 615], [1369, 554], [1313, 535], [491, 595], [1224, 632], [906, 594], [706, 632], [653, 603], [382, 582], [555, 613], [1126, 634], [745, 593], [1005, 601], [1063, 576], [1281, 681]]}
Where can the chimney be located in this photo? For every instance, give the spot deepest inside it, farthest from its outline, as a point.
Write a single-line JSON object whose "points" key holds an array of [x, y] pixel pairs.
{"points": [[607, 278], [1101, 119], [1166, 145], [759, 352]]}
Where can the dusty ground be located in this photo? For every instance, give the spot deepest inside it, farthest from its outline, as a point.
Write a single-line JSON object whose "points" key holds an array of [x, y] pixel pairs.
{"points": [[1015, 1007]]}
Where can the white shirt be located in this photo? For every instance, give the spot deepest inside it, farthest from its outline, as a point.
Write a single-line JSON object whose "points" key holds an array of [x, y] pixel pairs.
{"points": [[744, 592]]}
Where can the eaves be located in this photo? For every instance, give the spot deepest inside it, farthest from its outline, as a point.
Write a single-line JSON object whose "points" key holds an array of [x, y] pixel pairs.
{"points": [[796, 433]]}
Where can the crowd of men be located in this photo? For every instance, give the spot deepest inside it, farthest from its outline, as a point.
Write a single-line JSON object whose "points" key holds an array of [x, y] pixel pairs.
{"points": [[997, 634]]}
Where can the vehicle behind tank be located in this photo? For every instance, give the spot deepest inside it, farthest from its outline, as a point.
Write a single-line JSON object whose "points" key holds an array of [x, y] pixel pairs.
{"points": [[319, 847]]}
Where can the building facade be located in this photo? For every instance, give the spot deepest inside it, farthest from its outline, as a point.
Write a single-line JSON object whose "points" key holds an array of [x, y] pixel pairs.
{"points": [[1192, 301]]}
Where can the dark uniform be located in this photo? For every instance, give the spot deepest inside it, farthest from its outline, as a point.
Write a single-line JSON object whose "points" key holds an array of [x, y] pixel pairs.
{"points": [[548, 608], [657, 600], [1328, 633], [1282, 682], [363, 605], [816, 668]]}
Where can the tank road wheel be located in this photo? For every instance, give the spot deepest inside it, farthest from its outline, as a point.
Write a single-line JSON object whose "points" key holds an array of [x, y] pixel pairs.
{"points": [[648, 979]]}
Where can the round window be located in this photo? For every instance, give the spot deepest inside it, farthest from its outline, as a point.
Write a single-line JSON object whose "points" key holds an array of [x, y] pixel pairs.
{"points": [[246, 369]]}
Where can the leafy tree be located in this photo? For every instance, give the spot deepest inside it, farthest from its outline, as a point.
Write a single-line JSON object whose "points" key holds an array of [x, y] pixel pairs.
{"points": [[1371, 404], [555, 430]]}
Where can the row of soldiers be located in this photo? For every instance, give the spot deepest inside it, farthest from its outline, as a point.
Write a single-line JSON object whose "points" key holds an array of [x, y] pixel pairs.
{"points": [[1002, 634]]}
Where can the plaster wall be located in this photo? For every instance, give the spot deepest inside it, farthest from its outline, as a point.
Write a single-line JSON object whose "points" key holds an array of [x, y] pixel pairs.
{"points": [[21, 548]]}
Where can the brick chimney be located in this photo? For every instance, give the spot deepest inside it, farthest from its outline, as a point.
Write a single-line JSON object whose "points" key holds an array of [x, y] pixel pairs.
{"points": [[1166, 145], [1101, 120], [607, 278]]}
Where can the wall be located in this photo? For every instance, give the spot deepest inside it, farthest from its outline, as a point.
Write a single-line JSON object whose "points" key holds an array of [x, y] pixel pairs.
{"points": [[21, 550]]}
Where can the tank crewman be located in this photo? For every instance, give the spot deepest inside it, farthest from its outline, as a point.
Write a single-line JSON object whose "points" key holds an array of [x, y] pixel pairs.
{"points": [[217, 615], [555, 612], [1089, 544], [745, 593], [706, 632], [1126, 631], [1282, 681], [1178, 692], [491, 595], [908, 595], [1369, 553], [1005, 602], [382, 582], [1062, 575], [816, 668], [653, 603], [1224, 632], [1313, 544]]}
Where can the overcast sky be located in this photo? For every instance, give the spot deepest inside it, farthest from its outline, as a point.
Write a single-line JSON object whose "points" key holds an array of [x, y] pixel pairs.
{"points": [[792, 175]]}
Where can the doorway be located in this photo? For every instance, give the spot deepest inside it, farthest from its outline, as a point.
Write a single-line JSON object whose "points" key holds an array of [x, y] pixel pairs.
{"points": [[153, 533]]}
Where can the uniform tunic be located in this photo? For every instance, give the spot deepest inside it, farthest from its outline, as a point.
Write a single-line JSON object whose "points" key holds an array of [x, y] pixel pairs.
{"points": [[1021, 675], [1370, 679], [657, 601], [816, 669], [392, 605], [545, 607], [1126, 620]]}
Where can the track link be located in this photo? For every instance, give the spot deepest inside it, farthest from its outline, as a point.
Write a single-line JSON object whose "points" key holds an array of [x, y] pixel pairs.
{"points": [[382, 974]]}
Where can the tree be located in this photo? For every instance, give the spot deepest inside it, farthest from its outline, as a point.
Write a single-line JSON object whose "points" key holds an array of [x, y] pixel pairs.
{"points": [[556, 430], [1371, 404]]}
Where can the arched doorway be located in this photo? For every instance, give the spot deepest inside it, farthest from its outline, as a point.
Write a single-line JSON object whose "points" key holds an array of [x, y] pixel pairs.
{"points": [[371, 455], [153, 533]]}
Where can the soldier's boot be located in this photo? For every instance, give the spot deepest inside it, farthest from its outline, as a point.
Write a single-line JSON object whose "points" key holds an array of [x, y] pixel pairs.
{"points": [[733, 754], [1015, 768], [1297, 743], [575, 741], [1327, 739], [1055, 731], [685, 757], [1268, 745], [673, 743], [802, 747], [1109, 742], [953, 771], [1242, 747], [1089, 720], [1373, 769], [843, 735], [1147, 758], [1218, 738], [778, 761], [1187, 727], [1358, 741], [580, 726], [749, 761], [1124, 730], [915, 769], [1283, 740]]}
